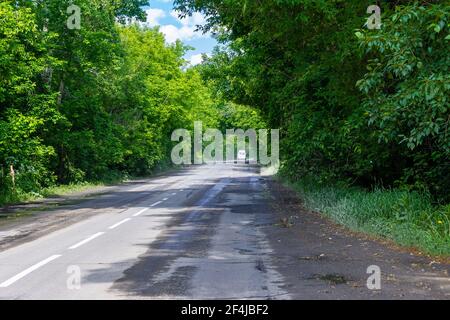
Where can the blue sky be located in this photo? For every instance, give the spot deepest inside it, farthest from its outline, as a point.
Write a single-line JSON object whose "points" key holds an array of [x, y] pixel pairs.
{"points": [[161, 13]]}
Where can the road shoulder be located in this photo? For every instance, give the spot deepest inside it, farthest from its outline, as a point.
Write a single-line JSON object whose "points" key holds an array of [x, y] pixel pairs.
{"points": [[321, 260]]}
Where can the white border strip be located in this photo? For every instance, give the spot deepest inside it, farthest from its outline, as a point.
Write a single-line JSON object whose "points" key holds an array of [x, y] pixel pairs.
{"points": [[79, 244], [25, 272], [119, 223]]}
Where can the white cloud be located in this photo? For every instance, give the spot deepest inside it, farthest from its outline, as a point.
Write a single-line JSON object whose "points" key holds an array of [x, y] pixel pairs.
{"points": [[197, 59], [172, 33], [196, 19], [186, 29], [153, 17]]}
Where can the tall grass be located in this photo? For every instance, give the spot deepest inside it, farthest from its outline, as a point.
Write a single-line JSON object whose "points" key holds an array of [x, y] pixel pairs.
{"points": [[408, 218]]}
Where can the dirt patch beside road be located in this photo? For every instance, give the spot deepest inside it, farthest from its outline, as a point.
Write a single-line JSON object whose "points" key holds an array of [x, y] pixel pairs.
{"points": [[321, 260]]}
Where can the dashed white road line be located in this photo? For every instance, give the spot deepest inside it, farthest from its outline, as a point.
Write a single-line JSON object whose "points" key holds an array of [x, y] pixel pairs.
{"points": [[140, 212], [25, 272], [156, 203], [79, 244], [119, 223]]}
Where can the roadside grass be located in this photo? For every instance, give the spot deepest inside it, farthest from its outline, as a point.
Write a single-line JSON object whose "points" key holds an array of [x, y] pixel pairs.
{"points": [[19, 196], [408, 218], [61, 190], [53, 191], [113, 178]]}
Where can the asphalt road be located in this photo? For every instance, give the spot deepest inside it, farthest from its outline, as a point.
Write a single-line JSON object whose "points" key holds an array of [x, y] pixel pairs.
{"points": [[206, 232], [174, 242]]}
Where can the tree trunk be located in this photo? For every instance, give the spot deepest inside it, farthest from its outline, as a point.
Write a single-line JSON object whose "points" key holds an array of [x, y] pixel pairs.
{"points": [[13, 176], [61, 91]]}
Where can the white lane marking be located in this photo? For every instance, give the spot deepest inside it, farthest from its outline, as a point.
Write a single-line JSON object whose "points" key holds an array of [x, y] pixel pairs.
{"points": [[119, 223], [140, 212], [19, 276], [165, 199], [174, 194], [156, 203], [79, 244]]}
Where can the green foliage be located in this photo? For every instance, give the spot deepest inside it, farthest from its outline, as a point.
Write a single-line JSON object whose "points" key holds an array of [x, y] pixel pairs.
{"points": [[408, 90], [369, 107], [97, 103], [235, 116], [356, 107], [162, 96], [25, 110]]}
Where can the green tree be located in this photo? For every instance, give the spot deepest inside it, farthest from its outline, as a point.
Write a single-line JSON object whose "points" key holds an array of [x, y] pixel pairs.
{"points": [[367, 108]]}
